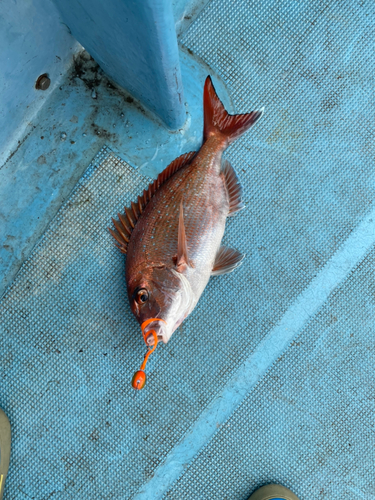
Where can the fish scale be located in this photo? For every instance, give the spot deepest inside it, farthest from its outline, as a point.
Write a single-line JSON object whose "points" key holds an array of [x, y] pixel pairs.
{"points": [[196, 212]]}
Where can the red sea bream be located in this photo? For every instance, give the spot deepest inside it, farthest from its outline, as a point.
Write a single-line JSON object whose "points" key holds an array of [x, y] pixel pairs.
{"points": [[172, 234]]}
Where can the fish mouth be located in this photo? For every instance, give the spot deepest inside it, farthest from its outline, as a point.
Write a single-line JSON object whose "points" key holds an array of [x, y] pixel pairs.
{"points": [[160, 333]]}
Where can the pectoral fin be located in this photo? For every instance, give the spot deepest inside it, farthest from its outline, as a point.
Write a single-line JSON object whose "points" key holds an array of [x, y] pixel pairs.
{"points": [[182, 259], [227, 259]]}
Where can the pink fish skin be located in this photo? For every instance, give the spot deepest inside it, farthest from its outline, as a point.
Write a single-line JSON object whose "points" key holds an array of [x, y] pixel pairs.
{"points": [[172, 234]]}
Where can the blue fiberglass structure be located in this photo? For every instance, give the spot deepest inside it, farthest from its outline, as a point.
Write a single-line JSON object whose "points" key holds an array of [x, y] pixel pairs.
{"points": [[271, 378]]}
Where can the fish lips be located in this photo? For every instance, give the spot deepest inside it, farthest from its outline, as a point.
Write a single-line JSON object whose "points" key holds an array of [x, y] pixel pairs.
{"points": [[160, 329]]}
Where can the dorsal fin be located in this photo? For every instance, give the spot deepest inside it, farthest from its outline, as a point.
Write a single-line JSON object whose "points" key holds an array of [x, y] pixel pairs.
{"points": [[234, 188], [182, 259], [227, 259], [172, 168], [129, 218]]}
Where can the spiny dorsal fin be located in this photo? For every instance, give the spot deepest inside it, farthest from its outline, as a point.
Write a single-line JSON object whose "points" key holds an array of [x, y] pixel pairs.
{"points": [[234, 188], [172, 168], [128, 219], [182, 259], [227, 259]]}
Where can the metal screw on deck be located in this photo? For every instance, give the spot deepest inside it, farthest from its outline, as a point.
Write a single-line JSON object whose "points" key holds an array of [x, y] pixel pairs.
{"points": [[43, 82]]}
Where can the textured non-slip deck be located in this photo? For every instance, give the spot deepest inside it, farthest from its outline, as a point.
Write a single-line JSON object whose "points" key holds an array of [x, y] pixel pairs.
{"points": [[271, 378]]}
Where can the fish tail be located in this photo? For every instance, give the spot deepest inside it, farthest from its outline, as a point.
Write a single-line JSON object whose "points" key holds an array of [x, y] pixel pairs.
{"points": [[218, 121]]}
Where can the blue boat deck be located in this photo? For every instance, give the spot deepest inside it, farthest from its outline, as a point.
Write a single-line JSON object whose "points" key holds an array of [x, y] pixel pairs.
{"points": [[271, 378]]}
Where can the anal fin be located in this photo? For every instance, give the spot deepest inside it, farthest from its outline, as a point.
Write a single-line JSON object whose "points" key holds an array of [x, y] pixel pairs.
{"points": [[234, 188], [227, 259]]}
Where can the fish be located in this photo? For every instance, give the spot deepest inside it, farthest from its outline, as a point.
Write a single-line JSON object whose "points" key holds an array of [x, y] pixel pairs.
{"points": [[172, 233]]}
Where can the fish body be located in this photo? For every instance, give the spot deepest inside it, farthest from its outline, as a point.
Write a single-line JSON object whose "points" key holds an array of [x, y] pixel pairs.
{"points": [[172, 234]]}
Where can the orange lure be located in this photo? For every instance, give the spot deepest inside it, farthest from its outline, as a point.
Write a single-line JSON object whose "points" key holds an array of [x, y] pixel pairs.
{"points": [[139, 377]]}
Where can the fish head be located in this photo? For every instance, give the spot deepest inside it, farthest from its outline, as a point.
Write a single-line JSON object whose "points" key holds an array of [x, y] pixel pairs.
{"points": [[161, 293]]}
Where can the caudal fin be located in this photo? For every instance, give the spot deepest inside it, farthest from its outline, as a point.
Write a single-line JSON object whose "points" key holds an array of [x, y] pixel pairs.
{"points": [[218, 120]]}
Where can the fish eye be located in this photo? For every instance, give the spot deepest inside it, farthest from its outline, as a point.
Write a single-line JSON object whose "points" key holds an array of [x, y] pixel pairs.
{"points": [[141, 295]]}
